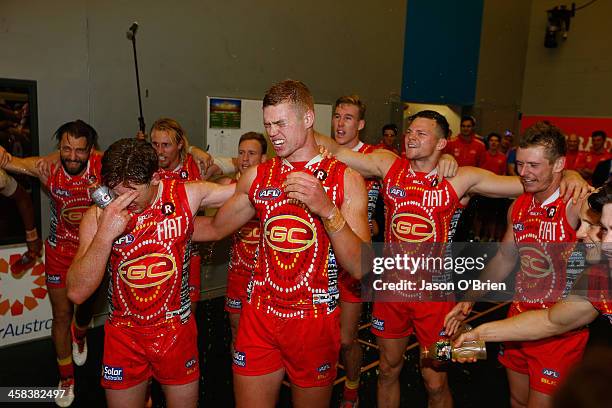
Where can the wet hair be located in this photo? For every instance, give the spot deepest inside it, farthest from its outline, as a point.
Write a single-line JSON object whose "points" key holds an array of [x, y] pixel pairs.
{"points": [[439, 118], [78, 129], [129, 161], [601, 197], [352, 100], [255, 136], [176, 131], [470, 118], [547, 135], [290, 91], [390, 126]]}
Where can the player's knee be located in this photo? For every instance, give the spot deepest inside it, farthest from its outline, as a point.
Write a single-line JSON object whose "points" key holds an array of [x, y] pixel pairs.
{"points": [[389, 371], [436, 385], [348, 341], [517, 401]]}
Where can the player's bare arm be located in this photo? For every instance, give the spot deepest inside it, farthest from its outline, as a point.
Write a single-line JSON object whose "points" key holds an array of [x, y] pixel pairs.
{"points": [[203, 194], [375, 164], [568, 314], [236, 212], [498, 269], [97, 232]]}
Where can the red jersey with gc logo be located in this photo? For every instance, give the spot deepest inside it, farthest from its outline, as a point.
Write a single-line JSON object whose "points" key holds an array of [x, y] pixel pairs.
{"points": [[149, 264], [542, 278], [69, 200], [296, 274], [417, 207]]}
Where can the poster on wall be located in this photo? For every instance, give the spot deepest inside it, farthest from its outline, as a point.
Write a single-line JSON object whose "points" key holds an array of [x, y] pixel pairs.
{"points": [[581, 126], [225, 113], [25, 310], [19, 137]]}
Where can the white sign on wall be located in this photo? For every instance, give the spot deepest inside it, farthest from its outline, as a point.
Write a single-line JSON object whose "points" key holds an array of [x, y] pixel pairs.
{"points": [[25, 310]]}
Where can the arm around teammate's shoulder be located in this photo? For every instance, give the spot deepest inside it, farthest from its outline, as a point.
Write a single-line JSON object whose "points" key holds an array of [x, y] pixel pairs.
{"points": [[348, 241]]}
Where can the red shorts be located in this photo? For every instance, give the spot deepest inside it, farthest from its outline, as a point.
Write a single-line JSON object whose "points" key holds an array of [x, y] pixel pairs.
{"points": [[306, 348], [395, 320], [546, 361], [134, 354], [57, 262], [194, 278], [237, 282], [350, 288]]}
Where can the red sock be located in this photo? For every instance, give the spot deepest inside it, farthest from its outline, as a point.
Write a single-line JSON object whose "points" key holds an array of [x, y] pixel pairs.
{"points": [[78, 333], [350, 394], [66, 369]]}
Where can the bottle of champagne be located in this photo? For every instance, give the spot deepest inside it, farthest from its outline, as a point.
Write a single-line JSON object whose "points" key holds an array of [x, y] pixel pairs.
{"points": [[443, 350]]}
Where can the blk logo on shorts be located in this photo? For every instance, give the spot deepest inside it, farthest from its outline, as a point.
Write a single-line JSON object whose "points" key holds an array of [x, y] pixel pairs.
{"points": [[239, 358], [112, 373], [324, 368], [167, 208], [378, 324]]}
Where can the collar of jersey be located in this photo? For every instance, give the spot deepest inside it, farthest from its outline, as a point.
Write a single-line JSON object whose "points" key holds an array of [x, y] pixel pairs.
{"points": [[312, 161], [550, 199], [357, 146], [428, 175]]}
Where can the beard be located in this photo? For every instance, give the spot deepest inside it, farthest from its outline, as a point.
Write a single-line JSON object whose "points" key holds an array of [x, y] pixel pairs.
{"points": [[73, 170]]}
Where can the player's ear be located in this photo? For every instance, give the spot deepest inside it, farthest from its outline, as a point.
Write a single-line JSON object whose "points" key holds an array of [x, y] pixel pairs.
{"points": [[309, 117], [559, 164], [441, 143], [155, 179]]}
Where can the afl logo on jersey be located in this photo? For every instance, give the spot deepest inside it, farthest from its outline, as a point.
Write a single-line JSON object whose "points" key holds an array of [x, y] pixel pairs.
{"points": [[73, 215], [412, 228], [396, 191], [534, 262], [124, 240], [184, 175], [148, 270], [269, 193], [288, 233], [249, 234], [320, 174]]}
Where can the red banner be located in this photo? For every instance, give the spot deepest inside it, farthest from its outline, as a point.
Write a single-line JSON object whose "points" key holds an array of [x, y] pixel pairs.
{"points": [[583, 127]]}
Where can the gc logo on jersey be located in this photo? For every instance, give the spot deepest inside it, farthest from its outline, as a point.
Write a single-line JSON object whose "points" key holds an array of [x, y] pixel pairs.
{"points": [[148, 270], [288, 233], [269, 193], [534, 262], [73, 215], [412, 227], [249, 234]]}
